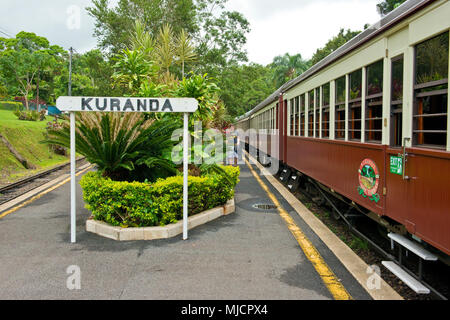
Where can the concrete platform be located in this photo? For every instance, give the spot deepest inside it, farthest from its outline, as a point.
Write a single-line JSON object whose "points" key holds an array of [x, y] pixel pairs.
{"points": [[248, 255]]}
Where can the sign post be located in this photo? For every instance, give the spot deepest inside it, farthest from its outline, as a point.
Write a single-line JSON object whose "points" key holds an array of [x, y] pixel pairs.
{"points": [[113, 104], [185, 174]]}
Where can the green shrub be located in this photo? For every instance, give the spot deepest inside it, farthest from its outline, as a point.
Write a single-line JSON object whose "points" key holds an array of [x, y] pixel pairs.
{"points": [[135, 204], [30, 115], [10, 105]]}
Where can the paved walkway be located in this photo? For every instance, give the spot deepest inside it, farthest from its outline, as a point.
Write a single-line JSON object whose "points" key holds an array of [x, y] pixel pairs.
{"points": [[248, 255]]}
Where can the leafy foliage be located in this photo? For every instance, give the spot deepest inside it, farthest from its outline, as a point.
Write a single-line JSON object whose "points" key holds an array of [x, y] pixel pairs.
{"points": [[204, 90], [134, 204], [132, 70], [118, 143], [30, 115], [339, 40], [288, 67]]}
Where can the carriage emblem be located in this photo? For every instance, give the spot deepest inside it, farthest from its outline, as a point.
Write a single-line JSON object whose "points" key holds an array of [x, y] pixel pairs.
{"points": [[369, 180]]}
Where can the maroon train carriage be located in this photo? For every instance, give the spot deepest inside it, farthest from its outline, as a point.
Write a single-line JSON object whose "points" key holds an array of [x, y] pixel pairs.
{"points": [[370, 124]]}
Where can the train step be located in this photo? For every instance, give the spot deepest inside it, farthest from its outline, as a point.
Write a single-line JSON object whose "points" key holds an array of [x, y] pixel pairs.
{"points": [[410, 281], [412, 247]]}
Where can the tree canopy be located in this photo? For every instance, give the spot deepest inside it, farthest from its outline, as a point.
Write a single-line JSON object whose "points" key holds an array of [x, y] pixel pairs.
{"points": [[334, 43], [145, 46]]}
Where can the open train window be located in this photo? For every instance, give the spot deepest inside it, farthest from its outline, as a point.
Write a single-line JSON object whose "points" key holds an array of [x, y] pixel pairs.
{"points": [[340, 109], [396, 101], [431, 92], [354, 105], [302, 115], [326, 111], [317, 111], [276, 116], [296, 118], [311, 114], [292, 118], [374, 102]]}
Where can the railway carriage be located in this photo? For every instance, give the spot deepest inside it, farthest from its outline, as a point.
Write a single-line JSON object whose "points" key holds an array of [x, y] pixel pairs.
{"points": [[370, 123]]}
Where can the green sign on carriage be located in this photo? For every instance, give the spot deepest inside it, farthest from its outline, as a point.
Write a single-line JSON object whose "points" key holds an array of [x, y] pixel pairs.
{"points": [[397, 165]]}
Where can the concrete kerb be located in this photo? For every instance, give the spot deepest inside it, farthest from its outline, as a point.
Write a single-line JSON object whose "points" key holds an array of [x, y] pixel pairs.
{"points": [[153, 233]]}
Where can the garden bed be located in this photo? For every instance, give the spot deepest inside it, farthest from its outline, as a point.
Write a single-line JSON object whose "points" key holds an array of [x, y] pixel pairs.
{"points": [[153, 233], [124, 206]]}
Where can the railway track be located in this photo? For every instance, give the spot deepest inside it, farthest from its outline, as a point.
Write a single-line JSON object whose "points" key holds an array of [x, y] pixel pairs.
{"points": [[16, 189]]}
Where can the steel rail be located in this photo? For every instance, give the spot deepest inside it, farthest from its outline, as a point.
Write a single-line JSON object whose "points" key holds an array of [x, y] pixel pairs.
{"points": [[34, 177]]}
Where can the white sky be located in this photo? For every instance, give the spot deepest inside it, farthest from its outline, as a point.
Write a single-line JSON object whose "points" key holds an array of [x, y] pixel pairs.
{"points": [[277, 26], [299, 26]]}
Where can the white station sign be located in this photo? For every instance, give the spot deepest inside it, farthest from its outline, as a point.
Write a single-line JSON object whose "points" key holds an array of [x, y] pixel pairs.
{"points": [[114, 104]]}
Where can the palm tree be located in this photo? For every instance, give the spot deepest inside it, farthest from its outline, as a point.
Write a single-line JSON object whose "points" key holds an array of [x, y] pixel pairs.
{"points": [[288, 67], [185, 50]]}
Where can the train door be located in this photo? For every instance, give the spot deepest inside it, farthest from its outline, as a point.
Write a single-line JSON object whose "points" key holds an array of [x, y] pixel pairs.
{"points": [[285, 108], [281, 127], [418, 176], [396, 183]]}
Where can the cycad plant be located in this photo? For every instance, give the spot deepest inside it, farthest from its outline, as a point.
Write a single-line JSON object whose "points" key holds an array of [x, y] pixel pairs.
{"points": [[121, 144]]}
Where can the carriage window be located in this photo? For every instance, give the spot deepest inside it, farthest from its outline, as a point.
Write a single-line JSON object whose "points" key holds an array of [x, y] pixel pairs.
{"points": [[266, 120], [276, 116], [271, 121], [317, 111], [326, 111], [431, 92], [292, 118], [296, 118], [311, 114], [354, 106], [340, 109], [374, 102], [397, 101], [302, 115]]}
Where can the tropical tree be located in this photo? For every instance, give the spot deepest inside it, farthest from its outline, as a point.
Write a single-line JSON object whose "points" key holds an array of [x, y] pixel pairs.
{"points": [[288, 67], [185, 50], [219, 35], [202, 88], [114, 23], [25, 60], [242, 87], [133, 70], [20, 68], [334, 43], [143, 40], [165, 48]]}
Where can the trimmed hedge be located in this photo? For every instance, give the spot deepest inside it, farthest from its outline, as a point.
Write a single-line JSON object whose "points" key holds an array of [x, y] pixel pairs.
{"points": [[135, 204], [10, 105]]}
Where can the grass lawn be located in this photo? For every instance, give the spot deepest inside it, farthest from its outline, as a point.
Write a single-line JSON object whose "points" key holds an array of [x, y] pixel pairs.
{"points": [[26, 137]]}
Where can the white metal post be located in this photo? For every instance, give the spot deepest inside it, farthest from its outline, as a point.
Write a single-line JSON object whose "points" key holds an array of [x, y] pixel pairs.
{"points": [[72, 179], [185, 174]]}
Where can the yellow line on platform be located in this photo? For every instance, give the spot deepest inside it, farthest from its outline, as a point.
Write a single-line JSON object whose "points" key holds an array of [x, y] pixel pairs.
{"points": [[41, 194], [328, 277]]}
